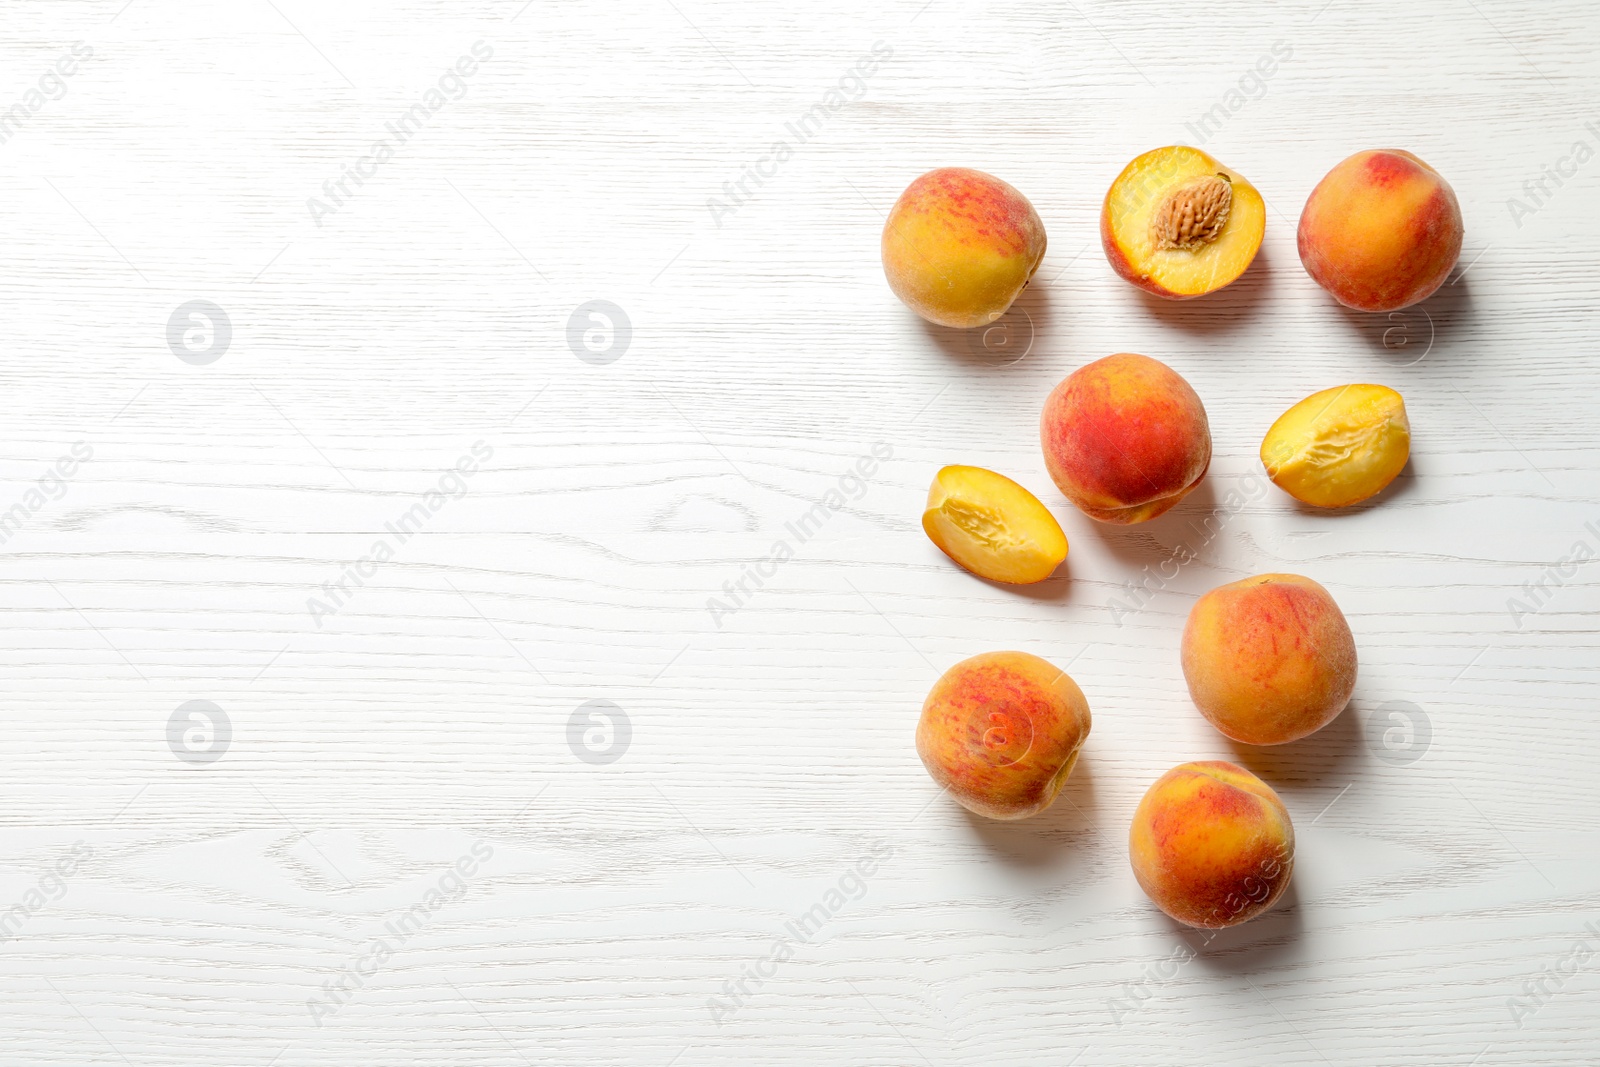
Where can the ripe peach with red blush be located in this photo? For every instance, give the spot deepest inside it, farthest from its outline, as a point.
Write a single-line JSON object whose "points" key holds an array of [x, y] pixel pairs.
{"points": [[960, 245], [1211, 844], [1125, 438], [1001, 731], [1269, 659], [1381, 231]]}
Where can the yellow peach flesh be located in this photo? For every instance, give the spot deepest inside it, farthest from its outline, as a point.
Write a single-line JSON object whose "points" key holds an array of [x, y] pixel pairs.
{"points": [[1340, 446], [1145, 187], [992, 526]]}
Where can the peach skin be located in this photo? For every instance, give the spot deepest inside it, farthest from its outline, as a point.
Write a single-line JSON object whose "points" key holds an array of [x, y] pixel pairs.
{"points": [[1125, 438], [1269, 659], [1001, 731], [960, 245], [1211, 844], [1179, 224], [1381, 231]]}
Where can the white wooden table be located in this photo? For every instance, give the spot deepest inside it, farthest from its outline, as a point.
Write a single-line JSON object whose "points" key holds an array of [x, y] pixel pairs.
{"points": [[397, 847]]}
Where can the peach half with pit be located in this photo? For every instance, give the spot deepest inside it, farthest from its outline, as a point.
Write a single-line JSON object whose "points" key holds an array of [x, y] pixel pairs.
{"points": [[1179, 224]]}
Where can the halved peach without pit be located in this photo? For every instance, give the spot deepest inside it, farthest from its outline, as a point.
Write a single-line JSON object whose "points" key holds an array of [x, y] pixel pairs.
{"points": [[1179, 224], [992, 526]]}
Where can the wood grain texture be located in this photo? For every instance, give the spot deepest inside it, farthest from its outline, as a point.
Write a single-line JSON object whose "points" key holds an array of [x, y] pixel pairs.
{"points": [[1436, 902]]}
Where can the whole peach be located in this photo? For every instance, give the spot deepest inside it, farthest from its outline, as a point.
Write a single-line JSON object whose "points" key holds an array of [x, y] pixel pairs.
{"points": [[1269, 659], [1211, 844], [1001, 731], [960, 245], [1381, 231], [1125, 438]]}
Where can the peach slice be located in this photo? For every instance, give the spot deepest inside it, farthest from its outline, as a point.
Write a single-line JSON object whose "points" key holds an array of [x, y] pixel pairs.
{"points": [[992, 526], [1179, 224], [1340, 446]]}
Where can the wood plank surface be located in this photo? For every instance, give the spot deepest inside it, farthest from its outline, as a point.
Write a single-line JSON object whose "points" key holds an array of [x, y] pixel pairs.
{"points": [[506, 779]]}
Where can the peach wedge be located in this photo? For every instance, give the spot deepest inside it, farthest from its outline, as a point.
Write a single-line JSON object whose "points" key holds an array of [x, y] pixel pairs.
{"points": [[992, 526], [1179, 224], [1340, 446]]}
